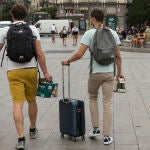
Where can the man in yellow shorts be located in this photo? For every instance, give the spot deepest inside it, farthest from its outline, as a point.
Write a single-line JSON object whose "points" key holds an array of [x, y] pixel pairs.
{"points": [[22, 76]]}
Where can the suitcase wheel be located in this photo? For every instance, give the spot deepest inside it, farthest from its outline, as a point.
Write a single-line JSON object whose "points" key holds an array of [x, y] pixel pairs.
{"points": [[74, 139], [62, 135], [83, 138]]}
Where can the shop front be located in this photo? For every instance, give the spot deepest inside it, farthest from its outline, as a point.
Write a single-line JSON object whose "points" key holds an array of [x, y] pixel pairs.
{"points": [[111, 21]]}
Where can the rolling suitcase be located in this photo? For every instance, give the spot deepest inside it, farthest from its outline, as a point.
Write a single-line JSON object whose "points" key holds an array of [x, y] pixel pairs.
{"points": [[71, 114]]}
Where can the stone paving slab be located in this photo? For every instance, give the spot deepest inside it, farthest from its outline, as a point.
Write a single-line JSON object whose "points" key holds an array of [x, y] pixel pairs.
{"points": [[131, 115]]}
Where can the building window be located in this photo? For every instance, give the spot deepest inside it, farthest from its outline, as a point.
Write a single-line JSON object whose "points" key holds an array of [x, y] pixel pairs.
{"points": [[111, 10]]}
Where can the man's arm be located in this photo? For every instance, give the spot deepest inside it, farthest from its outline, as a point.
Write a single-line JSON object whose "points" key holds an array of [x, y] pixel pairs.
{"points": [[41, 60], [77, 55], [1, 46], [118, 61]]}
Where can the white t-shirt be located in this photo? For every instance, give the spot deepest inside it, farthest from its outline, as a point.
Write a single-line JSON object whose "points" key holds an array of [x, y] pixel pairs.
{"points": [[64, 32], [75, 29], [53, 28], [87, 39], [11, 65]]}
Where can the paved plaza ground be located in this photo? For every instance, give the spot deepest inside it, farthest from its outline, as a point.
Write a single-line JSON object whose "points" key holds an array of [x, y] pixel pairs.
{"points": [[131, 115]]}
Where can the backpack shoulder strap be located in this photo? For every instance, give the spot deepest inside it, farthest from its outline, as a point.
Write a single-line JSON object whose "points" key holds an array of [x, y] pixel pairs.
{"points": [[3, 56], [10, 27], [106, 28]]}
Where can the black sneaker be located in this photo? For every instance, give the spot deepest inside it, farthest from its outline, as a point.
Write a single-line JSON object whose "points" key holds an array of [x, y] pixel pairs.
{"points": [[94, 133], [33, 133], [20, 145], [108, 140]]}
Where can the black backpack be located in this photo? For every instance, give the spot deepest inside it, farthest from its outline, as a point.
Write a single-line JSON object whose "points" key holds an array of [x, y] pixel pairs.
{"points": [[20, 43]]}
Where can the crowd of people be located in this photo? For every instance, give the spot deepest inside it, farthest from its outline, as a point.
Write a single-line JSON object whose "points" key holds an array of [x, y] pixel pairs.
{"points": [[136, 35], [65, 33]]}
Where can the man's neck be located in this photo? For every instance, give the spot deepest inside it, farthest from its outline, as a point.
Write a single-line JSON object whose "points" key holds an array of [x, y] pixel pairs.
{"points": [[16, 20], [97, 24]]}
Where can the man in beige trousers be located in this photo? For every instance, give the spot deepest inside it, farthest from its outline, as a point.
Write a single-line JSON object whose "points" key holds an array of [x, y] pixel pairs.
{"points": [[101, 76]]}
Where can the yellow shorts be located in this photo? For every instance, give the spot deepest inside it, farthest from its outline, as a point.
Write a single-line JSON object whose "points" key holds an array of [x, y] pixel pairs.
{"points": [[23, 84]]}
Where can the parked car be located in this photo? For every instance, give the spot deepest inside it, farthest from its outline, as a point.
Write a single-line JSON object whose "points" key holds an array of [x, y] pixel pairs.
{"points": [[4, 24]]}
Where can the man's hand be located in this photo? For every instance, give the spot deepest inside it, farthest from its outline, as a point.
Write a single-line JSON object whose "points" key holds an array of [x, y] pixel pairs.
{"points": [[120, 76], [65, 62], [48, 77]]}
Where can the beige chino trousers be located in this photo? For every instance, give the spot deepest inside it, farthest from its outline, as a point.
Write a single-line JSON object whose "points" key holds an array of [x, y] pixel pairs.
{"points": [[106, 82]]}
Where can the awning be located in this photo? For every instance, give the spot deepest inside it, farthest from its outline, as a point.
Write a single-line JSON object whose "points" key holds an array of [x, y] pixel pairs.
{"points": [[68, 7], [83, 8]]}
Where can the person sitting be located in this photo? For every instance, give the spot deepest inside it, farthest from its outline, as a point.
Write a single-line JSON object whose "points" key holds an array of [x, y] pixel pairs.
{"points": [[141, 38], [147, 32], [134, 40]]}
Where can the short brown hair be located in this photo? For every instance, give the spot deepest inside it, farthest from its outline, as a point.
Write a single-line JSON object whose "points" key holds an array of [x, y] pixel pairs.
{"points": [[97, 14], [18, 11]]}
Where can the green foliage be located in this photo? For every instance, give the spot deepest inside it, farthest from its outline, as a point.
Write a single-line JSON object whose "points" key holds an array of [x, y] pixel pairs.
{"points": [[138, 12], [6, 11], [50, 10]]}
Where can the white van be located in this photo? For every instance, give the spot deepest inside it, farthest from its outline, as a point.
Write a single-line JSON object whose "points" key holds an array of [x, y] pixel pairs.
{"points": [[4, 24], [44, 26]]}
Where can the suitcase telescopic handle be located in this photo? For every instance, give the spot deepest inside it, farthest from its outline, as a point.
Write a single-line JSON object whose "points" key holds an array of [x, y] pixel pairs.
{"points": [[63, 83]]}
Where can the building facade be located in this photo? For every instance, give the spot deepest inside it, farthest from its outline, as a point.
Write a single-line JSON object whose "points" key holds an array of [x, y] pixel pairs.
{"points": [[114, 10], [77, 11]]}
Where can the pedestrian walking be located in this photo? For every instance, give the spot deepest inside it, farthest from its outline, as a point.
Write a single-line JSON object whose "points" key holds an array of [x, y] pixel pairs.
{"points": [[75, 32], [53, 32], [68, 31], [23, 49], [64, 35], [100, 76]]}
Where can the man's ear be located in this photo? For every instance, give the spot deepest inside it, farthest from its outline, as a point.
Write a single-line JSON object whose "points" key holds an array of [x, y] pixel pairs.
{"points": [[93, 20]]}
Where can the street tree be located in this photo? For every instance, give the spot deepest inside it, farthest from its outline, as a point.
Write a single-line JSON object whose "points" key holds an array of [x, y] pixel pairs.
{"points": [[138, 12], [6, 10], [50, 10]]}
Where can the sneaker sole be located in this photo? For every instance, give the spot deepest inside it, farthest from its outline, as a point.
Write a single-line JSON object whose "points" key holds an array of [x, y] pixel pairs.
{"points": [[20, 148], [93, 136], [34, 137]]}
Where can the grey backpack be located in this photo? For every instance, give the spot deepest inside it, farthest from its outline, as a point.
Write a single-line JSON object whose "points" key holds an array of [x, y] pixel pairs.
{"points": [[103, 47]]}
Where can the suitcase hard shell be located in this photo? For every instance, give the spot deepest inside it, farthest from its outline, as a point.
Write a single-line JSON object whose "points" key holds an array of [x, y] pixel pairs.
{"points": [[71, 115]]}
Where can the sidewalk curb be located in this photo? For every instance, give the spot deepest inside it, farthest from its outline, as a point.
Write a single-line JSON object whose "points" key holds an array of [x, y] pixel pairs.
{"points": [[137, 50]]}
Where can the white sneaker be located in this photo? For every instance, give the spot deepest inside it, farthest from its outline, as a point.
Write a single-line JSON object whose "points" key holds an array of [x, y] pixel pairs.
{"points": [[108, 140], [95, 133]]}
